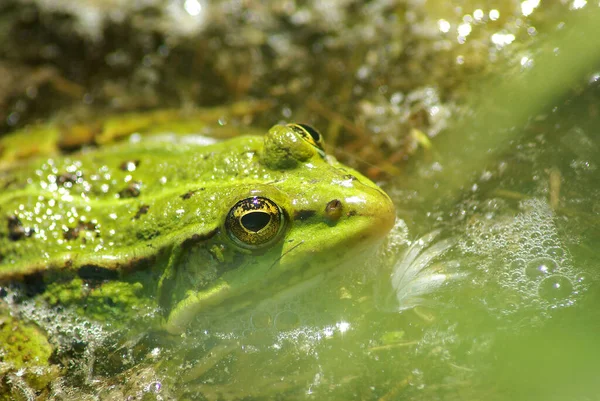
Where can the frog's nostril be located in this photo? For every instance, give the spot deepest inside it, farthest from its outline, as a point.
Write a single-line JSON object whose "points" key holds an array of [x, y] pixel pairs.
{"points": [[333, 210]]}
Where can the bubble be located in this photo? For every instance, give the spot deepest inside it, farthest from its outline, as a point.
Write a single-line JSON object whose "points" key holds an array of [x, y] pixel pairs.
{"points": [[469, 245], [549, 243], [556, 252], [261, 320], [516, 276], [536, 250], [583, 278], [555, 288], [516, 264], [540, 267], [287, 320], [154, 387]]}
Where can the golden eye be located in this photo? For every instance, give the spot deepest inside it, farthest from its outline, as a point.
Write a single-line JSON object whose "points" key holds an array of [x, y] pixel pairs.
{"points": [[309, 134], [255, 222]]}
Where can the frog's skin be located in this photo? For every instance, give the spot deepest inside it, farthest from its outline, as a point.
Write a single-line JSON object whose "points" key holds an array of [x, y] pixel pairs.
{"points": [[185, 227]]}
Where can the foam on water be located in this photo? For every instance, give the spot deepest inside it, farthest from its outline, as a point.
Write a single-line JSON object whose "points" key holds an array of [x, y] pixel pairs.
{"points": [[525, 255]]}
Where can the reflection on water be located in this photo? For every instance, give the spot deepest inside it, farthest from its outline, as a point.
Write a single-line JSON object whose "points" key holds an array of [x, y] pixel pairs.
{"points": [[414, 277]]}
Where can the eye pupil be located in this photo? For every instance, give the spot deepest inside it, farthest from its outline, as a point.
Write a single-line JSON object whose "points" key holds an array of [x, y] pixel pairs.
{"points": [[255, 221], [310, 135], [312, 132]]}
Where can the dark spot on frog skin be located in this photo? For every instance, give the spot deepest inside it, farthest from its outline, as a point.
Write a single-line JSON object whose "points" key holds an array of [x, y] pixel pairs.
{"points": [[350, 177], [9, 182], [352, 213], [94, 275], [304, 214], [97, 273], [187, 195], [73, 233], [190, 193], [142, 210], [129, 165], [3, 292], [75, 136], [333, 210], [194, 239], [133, 190], [66, 178], [147, 234], [33, 284], [16, 231]]}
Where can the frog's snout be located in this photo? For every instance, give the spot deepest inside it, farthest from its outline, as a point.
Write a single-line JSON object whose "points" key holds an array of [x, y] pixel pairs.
{"points": [[382, 216], [371, 212], [385, 218]]}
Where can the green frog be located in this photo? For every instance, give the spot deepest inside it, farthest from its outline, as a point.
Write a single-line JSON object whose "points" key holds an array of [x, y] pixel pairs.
{"points": [[161, 231]]}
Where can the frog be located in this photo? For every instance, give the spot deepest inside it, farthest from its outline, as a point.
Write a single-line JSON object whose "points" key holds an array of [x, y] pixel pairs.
{"points": [[158, 232]]}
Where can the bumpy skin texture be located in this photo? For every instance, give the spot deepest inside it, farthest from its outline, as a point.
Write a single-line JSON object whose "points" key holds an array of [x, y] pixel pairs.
{"points": [[155, 214]]}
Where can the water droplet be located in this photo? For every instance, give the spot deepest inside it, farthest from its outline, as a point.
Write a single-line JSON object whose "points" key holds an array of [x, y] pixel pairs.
{"points": [[555, 288], [540, 267]]}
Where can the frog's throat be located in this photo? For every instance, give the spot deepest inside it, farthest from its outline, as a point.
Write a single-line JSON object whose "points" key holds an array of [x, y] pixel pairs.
{"points": [[222, 297], [193, 303]]}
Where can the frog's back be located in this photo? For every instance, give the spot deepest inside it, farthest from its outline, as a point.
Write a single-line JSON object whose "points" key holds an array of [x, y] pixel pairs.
{"points": [[113, 206]]}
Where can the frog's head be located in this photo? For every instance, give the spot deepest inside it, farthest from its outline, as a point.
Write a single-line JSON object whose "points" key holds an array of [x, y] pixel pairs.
{"points": [[310, 216], [328, 208]]}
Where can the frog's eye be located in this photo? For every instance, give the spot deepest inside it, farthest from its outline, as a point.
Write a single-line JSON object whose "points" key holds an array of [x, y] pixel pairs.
{"points": [[255, 222], [309, 134]]}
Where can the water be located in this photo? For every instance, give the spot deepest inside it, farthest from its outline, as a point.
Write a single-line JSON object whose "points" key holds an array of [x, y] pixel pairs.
{"points": [[522, 325], [488, 288]]}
